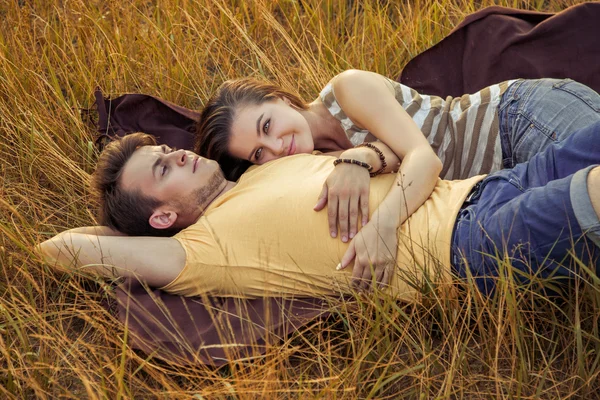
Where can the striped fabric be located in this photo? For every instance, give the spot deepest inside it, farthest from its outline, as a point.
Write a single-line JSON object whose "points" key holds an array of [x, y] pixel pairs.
{"points": [[463, 131]]}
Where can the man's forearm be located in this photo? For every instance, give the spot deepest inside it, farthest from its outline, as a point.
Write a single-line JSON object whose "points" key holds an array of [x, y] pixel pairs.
{"points": [[64, 251], [155, 260], [73, 249], [97, 230]]}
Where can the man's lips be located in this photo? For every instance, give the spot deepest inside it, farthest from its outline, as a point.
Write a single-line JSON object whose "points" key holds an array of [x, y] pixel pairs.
{"points": [[292, 149]]}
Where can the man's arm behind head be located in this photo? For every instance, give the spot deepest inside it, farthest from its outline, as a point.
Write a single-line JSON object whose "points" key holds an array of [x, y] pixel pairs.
{"points": [[156, 261]]}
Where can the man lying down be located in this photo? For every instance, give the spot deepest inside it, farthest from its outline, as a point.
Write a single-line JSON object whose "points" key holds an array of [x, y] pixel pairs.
{"points": [[260, 237]]}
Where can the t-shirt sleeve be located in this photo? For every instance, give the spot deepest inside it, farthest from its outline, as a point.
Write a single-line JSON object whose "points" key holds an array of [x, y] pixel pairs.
{"points": [[202, 260]]}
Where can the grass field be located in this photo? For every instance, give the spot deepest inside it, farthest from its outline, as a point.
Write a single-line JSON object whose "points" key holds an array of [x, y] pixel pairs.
{"points": [[56, 339]]}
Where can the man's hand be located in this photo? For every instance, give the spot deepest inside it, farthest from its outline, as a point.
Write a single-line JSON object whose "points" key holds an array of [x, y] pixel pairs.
{"points": [[373, 250]]}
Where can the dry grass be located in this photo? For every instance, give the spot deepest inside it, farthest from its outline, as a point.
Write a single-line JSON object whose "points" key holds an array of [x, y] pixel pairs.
{"points": [[56, 340]]}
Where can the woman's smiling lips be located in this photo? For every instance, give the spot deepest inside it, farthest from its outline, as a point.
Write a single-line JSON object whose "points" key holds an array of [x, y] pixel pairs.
{"points": [[195, 164], [292, 149]]}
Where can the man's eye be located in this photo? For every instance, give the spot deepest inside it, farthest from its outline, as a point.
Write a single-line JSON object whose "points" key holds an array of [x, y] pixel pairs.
{"points": [[163, 170], [258, 154], [266, 126]]}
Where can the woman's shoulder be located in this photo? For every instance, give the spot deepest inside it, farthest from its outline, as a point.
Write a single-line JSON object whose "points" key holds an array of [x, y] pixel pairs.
{"points": [[351, 84], [356, 77]]}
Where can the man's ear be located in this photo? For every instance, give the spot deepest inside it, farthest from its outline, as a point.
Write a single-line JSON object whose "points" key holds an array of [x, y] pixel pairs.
{"points": [[162, 219]]}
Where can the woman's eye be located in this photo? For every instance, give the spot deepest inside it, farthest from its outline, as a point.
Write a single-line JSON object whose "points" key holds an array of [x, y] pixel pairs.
{"points": [[258, 154], [266, 126], [163, 170]]}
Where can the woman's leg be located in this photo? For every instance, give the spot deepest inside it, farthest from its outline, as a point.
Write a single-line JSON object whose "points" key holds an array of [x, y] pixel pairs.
{"points": [[534, 113]]}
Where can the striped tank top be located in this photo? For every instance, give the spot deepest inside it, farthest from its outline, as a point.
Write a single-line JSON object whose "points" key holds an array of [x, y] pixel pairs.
{"points": [[463, 131]]}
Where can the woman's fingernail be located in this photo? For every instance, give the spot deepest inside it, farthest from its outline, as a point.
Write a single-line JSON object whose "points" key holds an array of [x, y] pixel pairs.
{"points": [[344, 239], [333, 234], [351, 235], [339, 266]]}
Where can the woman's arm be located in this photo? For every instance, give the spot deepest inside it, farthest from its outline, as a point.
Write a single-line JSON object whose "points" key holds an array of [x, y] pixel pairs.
{"points": [[346, 189], [154, 260], [368, 101]]}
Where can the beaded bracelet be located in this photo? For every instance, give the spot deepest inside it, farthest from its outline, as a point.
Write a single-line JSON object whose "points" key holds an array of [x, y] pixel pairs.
{"points": [[353, 161], [379, 153]]}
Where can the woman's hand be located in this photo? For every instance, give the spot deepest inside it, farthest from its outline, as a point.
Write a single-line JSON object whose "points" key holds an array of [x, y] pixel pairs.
{"points": [[345, 192], [374, 252]]}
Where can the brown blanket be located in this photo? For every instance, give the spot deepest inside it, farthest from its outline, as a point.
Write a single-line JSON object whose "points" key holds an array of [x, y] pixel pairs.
{"points": [[489, 46], [169, 123], [497, 44], [211, 331]]}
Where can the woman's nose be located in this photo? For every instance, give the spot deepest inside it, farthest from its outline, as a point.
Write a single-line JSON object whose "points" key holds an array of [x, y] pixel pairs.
{"points": [[275, 146]]}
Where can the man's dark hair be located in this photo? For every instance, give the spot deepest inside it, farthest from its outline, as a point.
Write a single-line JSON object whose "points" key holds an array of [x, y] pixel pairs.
{"points": [[127, 211]]}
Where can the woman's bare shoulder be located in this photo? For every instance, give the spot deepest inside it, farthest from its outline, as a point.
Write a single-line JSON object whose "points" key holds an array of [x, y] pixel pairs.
{"points": [[351, 85]]}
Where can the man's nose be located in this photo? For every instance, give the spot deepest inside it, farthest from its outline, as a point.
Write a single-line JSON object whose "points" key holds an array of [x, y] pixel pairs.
{"points": [[179, 157]]}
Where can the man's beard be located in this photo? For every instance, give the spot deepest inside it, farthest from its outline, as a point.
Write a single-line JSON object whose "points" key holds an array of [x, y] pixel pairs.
{"points": [[201, 198], [207, 193]]}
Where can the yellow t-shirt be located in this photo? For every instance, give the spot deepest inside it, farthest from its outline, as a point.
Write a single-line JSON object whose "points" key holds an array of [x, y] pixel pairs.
{"points": [[263, 238]]}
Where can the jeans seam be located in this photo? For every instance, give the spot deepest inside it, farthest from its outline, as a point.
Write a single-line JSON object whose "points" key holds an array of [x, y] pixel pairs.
{"points": [[458, 258], [533, 123], [562, 83], [524, 98], [576, 94], [509, 96]]}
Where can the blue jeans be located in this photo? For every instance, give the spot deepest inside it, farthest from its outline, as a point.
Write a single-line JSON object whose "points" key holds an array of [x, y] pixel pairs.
{"points": [[535, 214], [534, 113]]}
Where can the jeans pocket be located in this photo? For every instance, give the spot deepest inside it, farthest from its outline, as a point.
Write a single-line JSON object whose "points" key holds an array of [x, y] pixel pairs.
{"points": [[514, 180], [582, 92], [530, 138]]}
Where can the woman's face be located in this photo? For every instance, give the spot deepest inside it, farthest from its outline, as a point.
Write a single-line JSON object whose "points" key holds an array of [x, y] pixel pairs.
{"points": [[268, 131]]}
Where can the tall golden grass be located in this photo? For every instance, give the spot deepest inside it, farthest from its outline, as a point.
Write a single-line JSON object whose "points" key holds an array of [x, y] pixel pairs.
{"points": [[56, 339]]}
